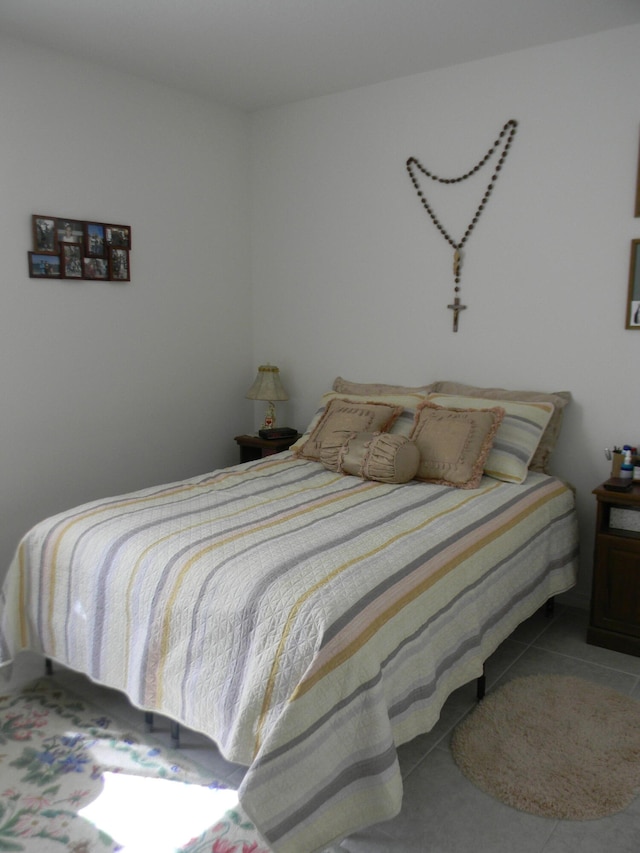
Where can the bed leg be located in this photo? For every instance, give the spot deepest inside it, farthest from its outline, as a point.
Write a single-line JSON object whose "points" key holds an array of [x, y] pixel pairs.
{"points": [[175, 734], [148, 721], [549, 607], [481, 685], [48, 666]]}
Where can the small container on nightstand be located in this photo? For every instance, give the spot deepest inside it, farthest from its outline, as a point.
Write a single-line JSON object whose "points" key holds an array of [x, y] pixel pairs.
{"points": [[253, 447], [615, 595]]}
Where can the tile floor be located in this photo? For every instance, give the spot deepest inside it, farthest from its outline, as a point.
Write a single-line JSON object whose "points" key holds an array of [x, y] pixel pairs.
{"points": [[442, 812]]}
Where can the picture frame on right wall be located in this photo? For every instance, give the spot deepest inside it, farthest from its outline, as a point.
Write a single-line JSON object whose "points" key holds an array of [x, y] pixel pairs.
{"points": [[637, 210], [633, 298]]}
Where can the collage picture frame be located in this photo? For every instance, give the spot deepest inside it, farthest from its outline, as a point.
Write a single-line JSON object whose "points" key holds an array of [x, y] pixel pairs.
{"points": [[78, 249], [633, 293], [633, 297]]}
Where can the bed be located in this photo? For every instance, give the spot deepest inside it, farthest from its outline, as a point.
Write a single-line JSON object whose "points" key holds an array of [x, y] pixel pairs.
{"points": [[307, 619]]}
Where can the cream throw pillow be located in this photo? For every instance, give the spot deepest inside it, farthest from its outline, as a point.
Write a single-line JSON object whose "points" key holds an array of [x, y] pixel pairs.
{"points": [[373, 456], [402, 425], [454, 443], [342, 417], [518, 437], [559, 399]]}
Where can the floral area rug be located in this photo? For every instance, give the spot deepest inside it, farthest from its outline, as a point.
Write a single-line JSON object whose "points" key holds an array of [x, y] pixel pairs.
{"points": [[57, 754]]}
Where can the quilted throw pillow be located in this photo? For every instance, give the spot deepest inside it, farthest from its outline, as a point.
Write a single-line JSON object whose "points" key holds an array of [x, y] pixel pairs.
{"points": [[517, 438], [454, 443], [401, 425], [560, 399], [381, 456], [340, 418]]}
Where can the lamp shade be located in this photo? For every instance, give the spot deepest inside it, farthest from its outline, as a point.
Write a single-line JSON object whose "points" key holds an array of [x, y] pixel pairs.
{"points": [[267, 385]]}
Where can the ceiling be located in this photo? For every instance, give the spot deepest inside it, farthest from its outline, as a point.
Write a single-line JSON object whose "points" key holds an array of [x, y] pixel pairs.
{"points": [[253, 54]]}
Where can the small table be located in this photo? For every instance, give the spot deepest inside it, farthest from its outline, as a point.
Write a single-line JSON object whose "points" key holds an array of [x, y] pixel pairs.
{"points": [[253, 447], [615, 596]]}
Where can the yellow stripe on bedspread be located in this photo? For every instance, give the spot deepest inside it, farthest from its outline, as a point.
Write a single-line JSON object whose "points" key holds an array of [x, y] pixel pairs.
{"points": [[358, 632], [318, 670]]}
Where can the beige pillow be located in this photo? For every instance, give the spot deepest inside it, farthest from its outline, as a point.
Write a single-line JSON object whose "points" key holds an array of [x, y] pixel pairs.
{"points": [[454, 443], [559, 399], [518, 437], [402, 425], [373, 456], [342, 417], [374, 389]]}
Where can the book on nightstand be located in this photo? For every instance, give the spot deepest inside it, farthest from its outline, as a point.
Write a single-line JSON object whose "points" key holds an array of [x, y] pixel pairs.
{"points": [[618, 484]]}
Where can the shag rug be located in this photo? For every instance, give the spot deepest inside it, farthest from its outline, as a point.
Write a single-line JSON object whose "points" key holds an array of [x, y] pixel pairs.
{"points": [[58, 758], [554, 746]]}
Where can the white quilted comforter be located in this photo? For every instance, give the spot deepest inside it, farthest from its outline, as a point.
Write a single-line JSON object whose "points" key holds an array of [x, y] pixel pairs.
{"points": [[308, 622]]}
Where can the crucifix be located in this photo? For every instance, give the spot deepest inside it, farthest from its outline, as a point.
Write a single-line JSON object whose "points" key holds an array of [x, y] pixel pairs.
{"points": [[456, 308]]}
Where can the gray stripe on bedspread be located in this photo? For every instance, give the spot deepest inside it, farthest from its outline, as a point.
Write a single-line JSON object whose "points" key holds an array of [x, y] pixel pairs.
{"points": [[406, 570], [419, 695], [214, 505], [472, 640], [247, 616], [373, 768]]}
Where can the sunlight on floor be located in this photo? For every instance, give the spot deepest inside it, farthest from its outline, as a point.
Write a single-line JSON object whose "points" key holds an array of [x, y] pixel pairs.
{"points": [[155, 815]]}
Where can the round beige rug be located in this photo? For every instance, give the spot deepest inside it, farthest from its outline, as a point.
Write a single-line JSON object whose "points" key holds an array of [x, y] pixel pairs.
{"points": [[554, 746]]}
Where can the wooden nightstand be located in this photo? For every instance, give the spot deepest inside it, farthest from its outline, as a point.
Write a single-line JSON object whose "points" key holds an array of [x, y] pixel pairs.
{"points": [[615, 594], [253, 447]]}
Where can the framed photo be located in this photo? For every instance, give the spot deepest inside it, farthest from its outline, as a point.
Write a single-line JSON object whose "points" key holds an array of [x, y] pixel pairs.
{"points": [[119, 265], [95, 245], [71, 260], [96, 269], [633, 299], [637, 212], [70, 231], [118, 236], [45, 234], [44, 265]]}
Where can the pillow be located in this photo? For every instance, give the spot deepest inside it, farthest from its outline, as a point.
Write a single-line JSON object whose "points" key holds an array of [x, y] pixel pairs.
{"points": [[454, 443], [342, 417], [516, 440], [375, 389], [542, 456], [373, 456], [402, 425]]}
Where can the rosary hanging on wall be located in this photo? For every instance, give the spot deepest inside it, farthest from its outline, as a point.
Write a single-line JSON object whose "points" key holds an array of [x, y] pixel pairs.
{"points": [[502, 144]]}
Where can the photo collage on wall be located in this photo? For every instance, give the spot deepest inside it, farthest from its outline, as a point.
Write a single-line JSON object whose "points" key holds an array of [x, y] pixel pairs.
{"points": [[73, 249]]}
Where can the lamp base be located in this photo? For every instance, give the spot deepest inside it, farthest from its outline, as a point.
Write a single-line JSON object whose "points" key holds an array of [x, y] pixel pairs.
{"points": [[269, 417]]}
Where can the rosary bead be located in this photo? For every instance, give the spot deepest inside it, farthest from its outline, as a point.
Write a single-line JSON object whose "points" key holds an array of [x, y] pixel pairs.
{"points": [[412, 163]]}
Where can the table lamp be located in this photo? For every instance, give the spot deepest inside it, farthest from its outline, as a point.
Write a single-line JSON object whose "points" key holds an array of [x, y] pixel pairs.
{"points": [[267, 386]]}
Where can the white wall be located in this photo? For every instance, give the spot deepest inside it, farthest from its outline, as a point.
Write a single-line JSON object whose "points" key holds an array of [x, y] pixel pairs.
{"points": [[107, 388], [111, 387], [350, 277]]}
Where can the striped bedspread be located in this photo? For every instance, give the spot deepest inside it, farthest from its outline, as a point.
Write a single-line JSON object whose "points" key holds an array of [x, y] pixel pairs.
{"points": [[308, 622]]}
